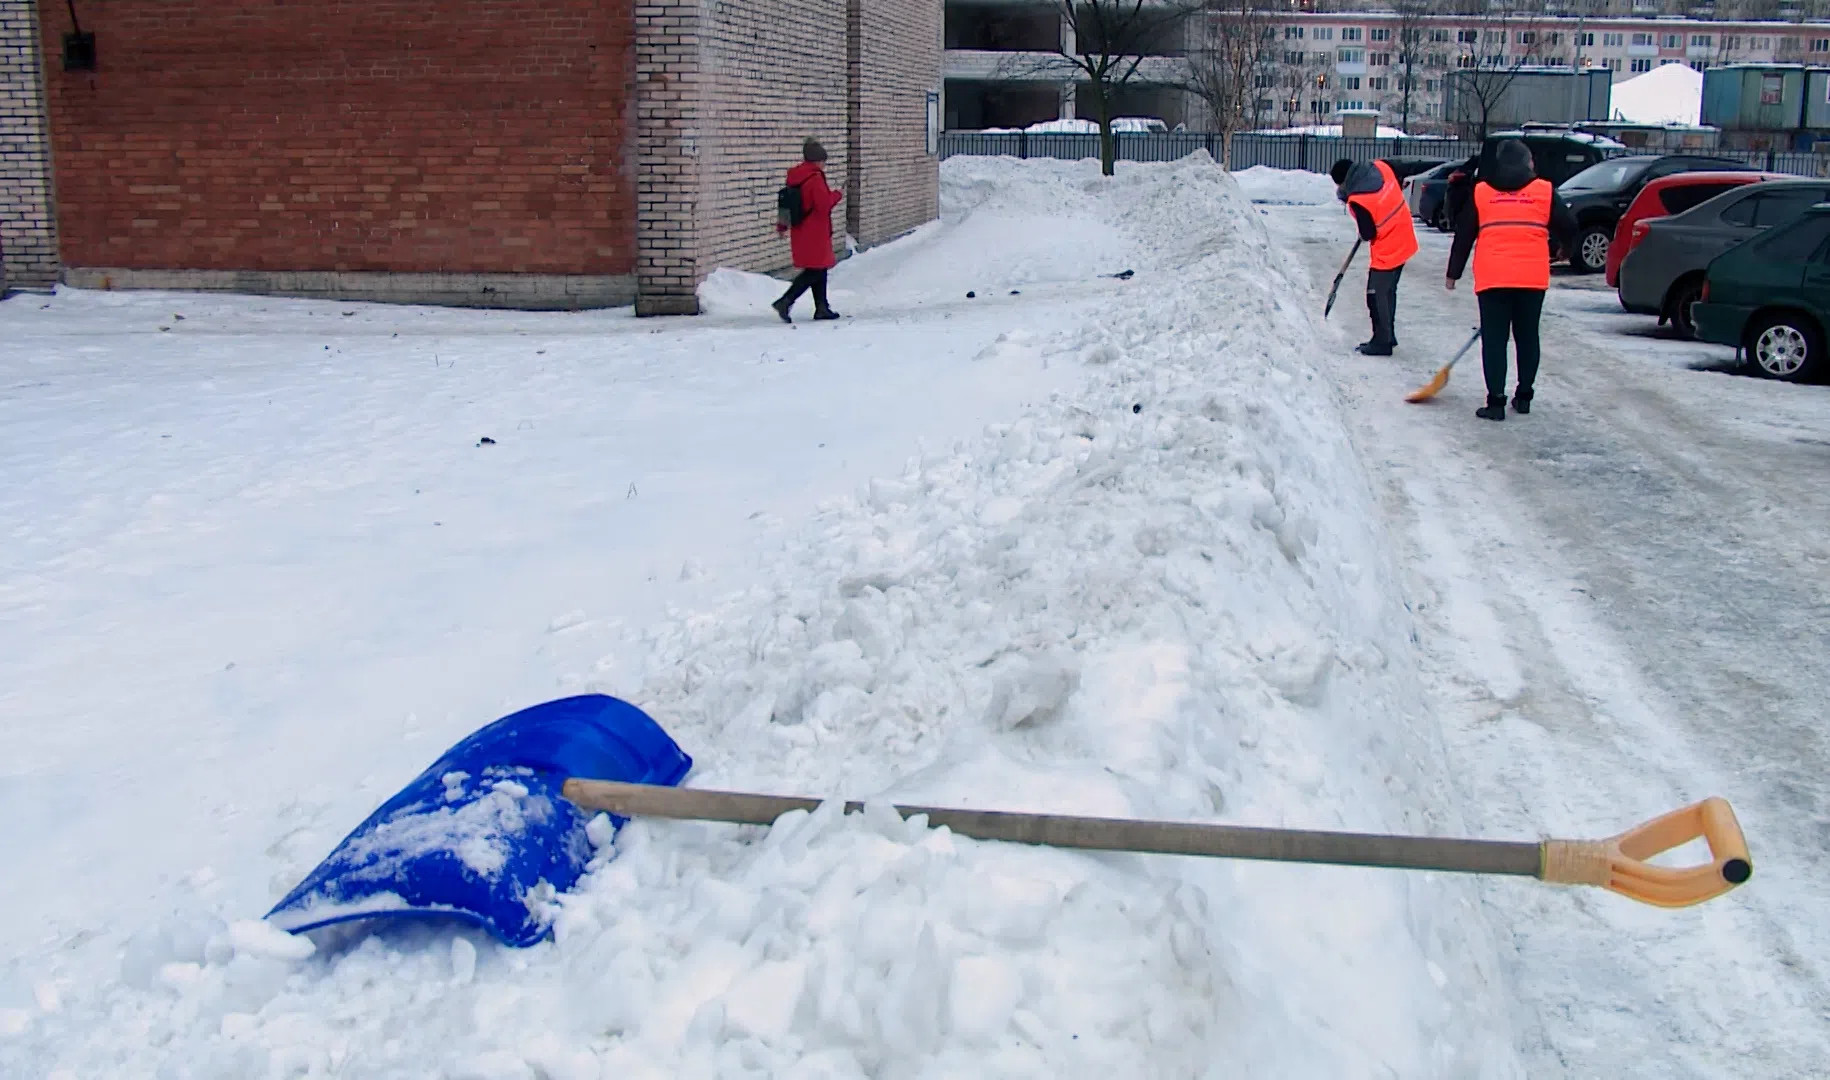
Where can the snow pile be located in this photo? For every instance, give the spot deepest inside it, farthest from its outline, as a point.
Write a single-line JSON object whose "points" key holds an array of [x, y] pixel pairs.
{"points": [[1333, 131], [1668, 94], [1290, 187], [1080, 125], [1161, 595]]}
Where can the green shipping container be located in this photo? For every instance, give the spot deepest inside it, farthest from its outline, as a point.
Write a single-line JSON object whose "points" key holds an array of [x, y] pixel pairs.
{"points": [[1755, 97]]}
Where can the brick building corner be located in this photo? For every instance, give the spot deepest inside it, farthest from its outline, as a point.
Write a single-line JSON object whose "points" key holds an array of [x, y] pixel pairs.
{"points": [[550, 154]]}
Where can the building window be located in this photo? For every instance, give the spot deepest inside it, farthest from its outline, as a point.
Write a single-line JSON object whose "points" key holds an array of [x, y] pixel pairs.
{"points": [[1673, 41], [1439, 36], [1732, 43], [1820, 44], [1464, 61], [1700, 65], [1701, 40], [1526, 37], [1380, 83], [1613, 41], [1496, 60], [1351, 56], [1643, 40], [1641, 63], [1318, 58], [1379, 59], [1467, 37], [1264, 82], [1381, 33], [1293, 33], [1493, 37], [1586, 39], [1432, 86], [1350, 33], [1351, 82], [1440, 59], [1612, 63], [1669, 60], [1324, 33], [1294, 59], [1264, 104]]}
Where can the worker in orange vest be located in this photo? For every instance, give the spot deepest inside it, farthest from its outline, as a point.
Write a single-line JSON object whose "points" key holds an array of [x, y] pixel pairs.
{"points": [[1376, 201], [1508, 224]]}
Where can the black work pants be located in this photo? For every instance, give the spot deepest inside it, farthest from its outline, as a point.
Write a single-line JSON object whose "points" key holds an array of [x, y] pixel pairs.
{"points": [[1510, 313], [806, 279], [1382, 304]]}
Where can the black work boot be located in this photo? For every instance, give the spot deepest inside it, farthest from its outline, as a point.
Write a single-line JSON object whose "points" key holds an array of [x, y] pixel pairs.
{"points": [[1495, 409], [781, 308], [1521, 400], [825, 315], [1373, 348]]}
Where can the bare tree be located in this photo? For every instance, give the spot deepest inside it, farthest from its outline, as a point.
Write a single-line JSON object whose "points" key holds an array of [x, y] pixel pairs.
{"points": [[1231, 67], [1109, 45], [1490, 56], [1412, 49]]}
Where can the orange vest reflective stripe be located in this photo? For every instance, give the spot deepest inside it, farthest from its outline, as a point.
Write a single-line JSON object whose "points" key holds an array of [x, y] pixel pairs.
{"points": [[1512, 250], [1394, 238]]}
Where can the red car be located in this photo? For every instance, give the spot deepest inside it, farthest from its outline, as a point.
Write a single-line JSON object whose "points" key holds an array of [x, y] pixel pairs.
{"points": [[1667, 195]]}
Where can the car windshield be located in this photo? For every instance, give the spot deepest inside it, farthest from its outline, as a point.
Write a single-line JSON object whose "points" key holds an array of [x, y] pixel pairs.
{"points": [[1606, 176]]}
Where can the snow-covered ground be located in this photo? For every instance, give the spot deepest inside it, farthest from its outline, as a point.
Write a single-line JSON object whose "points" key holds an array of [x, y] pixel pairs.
{"points": [[1078, 544], [1622, 607], [1155, 547]]}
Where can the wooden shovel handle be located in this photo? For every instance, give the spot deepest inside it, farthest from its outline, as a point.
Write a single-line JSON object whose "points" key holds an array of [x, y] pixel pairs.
{"points": [[1619, 863]]}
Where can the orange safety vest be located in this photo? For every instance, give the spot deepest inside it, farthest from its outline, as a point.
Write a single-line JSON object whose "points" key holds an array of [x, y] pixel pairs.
{"points": [[1512, 250], [1394, 239]]}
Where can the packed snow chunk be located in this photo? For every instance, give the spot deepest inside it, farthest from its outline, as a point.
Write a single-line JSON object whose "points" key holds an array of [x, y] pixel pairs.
{"points": [[986, 990], [463, 961], [763, 1002], [1289, 187], [739, 292], [263, 940]]}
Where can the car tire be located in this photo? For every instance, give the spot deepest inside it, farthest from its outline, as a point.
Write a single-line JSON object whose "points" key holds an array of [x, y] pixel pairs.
{"points": [[1591, 254], [1677, 306], [1786, 346]]}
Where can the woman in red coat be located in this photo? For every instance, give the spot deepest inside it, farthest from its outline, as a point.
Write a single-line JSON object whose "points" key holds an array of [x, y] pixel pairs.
{"points": [[811, 240]]}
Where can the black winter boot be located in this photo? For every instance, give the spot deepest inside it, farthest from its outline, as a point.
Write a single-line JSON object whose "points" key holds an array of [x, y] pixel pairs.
{"points": [[1521, 400], [1495, 409], [825, 315], [781, 308]]}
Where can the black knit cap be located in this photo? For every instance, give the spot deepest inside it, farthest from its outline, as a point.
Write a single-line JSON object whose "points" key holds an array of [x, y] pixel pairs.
{"points": [[811, 150], [1339, 172]]}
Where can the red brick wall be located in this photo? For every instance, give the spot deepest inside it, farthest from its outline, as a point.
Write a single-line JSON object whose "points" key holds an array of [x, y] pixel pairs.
{"points": [[403, 135]]}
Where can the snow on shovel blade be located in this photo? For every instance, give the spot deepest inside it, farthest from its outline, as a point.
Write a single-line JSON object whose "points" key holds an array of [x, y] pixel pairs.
{"points": [[484, 833]]}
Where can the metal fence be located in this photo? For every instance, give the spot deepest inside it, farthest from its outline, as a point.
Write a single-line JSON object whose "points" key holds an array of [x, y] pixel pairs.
{"points": [[1314, 153]]}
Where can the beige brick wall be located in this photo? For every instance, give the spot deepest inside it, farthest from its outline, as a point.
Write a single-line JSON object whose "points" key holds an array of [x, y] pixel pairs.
{"points": [[727, 90], [774, 72], [28, 222], [667, 95], [895, 61]]}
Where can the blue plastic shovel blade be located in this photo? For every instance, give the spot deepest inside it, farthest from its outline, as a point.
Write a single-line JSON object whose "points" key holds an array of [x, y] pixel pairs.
{"points": [[475, 836]]}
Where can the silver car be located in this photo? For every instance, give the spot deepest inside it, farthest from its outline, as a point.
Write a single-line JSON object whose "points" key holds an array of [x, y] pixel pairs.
{"points": [[1663, 274]]}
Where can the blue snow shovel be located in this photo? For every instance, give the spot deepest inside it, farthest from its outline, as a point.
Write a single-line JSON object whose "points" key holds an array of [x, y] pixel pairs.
{"points": [[486, 834]]}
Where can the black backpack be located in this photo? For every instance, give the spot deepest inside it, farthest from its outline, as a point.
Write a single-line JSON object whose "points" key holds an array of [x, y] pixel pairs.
{"points": [[789, 210]]}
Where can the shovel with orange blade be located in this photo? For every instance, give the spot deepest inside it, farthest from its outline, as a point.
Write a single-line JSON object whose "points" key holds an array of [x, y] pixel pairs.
{"points": [[1435, 385]]}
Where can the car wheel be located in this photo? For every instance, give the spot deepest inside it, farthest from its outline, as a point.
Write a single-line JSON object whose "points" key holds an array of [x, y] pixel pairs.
{"points": [[1677, 307], [1785, 346], [1591, 255]]}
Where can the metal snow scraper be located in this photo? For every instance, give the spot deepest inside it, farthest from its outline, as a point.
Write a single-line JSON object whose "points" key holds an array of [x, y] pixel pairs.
{"points": [[1618, 863], [484, 834], [1334, 289], [1434, 386]]}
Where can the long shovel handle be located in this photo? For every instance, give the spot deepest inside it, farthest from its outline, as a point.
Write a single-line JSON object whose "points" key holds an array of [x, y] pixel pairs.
{"points": [[1336, 287], [1577, 862]]}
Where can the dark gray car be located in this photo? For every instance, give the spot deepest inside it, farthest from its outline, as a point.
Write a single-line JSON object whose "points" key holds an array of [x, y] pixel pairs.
{"points": [[1663, 274]]}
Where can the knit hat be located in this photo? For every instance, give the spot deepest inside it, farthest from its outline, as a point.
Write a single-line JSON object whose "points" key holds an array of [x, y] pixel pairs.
{"points": [[811, 150], [1339, 172]]}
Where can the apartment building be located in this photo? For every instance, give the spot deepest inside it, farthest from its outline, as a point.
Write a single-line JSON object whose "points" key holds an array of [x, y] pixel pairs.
{"points": [[999, 71]]}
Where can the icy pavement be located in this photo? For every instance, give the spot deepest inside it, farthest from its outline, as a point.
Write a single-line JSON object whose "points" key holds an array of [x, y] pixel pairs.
{"points": [[1624, 600], [263, 569]]}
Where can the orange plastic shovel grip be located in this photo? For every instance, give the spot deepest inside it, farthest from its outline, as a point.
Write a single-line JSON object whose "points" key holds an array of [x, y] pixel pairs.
{"points": [[1620, 863]]}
